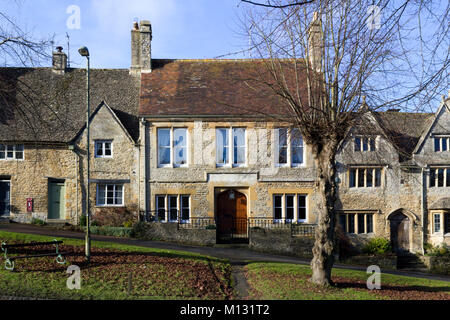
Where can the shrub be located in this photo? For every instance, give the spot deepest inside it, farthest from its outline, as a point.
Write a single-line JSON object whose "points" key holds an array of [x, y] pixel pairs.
{"points": [[114, 217], [139, 230], [438, 251], [82, 221], [377, 246], [344, 245], [128, 224], [38, 222]]}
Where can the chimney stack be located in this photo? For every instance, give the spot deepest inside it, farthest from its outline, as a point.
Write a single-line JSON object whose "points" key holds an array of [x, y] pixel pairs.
{"points": [[315, 43], [141, 38], [59, 61]]}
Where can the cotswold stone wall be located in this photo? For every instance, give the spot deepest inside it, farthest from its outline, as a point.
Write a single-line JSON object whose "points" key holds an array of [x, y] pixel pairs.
{"points": [[29, 178], [171, 232], [280, 242]]}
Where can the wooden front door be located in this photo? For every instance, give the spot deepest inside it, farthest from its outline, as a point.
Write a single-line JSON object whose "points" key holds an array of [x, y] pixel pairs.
{"points": [[232, 214], [5, 196], [56, 200], [400, 228]]}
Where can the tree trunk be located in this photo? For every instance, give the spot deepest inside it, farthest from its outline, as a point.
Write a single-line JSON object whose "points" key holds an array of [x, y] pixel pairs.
{"points": [[324, 246]]}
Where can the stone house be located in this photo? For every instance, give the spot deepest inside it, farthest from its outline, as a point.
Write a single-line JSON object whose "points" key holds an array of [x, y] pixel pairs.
{"points": [[42, 147], [198, 143]]}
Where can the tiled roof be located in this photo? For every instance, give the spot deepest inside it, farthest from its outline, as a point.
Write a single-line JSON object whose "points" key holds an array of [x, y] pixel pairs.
{"points": [[38, 105], [210, 88]]}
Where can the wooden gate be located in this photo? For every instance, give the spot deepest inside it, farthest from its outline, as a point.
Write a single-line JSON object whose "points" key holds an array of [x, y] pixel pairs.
{"points": [[400, 229], [231, 216]]}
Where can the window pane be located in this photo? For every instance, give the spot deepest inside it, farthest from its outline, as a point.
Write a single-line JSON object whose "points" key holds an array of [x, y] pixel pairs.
{"points": [[118, 194], [377, 177], [164, 146], [448, 177], [277, 207], [289, 207], [446, 222], [352, 178], [361, 223], [161, 207], [444, 144], [351, 223], [296, 146], [301, 207], [357, 144], [108, 149], [372, 144], [2, 151], [440, 177], [185, 207], [365, 144], [369, 177], [361, 177], [222, 146], [10, 152], [282, 146], [180, 145], [99, 147], [437, 144], [19, 155], [101, 195], [239, 145], [432, 177], [437, 222], [173, 212], [369, 223]]}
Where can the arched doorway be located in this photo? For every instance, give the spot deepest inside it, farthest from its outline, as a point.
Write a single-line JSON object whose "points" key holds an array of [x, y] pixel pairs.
{"points": [[400, 226], [231, 216]]}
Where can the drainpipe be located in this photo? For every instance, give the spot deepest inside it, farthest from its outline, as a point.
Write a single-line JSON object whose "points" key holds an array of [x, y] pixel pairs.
{"points": [[72, 147], [423, 189]]}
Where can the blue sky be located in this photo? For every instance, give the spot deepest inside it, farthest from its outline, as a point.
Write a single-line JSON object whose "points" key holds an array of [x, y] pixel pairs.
{"points": [[181, 28]]}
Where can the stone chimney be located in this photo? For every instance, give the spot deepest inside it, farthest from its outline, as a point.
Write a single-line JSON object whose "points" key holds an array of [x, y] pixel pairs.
{"points": [[141, 54], [315, 45], [59, 61]]}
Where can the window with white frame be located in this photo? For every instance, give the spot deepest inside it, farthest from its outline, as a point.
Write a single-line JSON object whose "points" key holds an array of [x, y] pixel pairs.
{"points": [[436, 222], [11, 152], [231, 147], [289, 208], [110, 195], [364, 177], [358, 223], [441, 143], [289, 147], [173, 208], [103, 149], [172, 147], [363, 143], [439, 177]]}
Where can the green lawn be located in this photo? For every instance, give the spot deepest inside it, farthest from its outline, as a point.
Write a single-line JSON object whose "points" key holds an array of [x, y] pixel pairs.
{"points": [[155, 274], [275, 281]]}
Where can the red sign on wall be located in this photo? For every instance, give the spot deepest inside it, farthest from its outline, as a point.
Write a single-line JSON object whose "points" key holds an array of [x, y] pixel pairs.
{"points": [[29, 204]]}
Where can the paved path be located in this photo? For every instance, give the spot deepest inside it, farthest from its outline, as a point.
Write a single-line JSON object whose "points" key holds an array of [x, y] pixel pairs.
{"points": [[237, 255]]}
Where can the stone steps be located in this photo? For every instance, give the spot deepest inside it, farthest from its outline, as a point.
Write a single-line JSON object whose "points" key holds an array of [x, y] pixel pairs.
{"points": [[410, 262]]}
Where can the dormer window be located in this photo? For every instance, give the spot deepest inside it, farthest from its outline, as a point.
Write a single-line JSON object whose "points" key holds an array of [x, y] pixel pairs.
{"points": [[365, 144], [103, 149], [441, 143]]}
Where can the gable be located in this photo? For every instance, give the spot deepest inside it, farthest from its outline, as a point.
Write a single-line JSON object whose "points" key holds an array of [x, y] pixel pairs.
{"points": [[440, 125]]}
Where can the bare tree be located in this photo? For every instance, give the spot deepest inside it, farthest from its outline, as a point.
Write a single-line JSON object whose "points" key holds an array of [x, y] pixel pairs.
{"points": [[327, 58]]}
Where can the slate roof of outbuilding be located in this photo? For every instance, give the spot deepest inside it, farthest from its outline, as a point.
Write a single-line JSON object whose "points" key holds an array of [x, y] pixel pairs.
{"points": [[38, 105]]}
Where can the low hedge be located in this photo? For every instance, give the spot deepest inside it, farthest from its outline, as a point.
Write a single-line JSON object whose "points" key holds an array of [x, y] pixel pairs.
{"points": [[111, 231]]}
